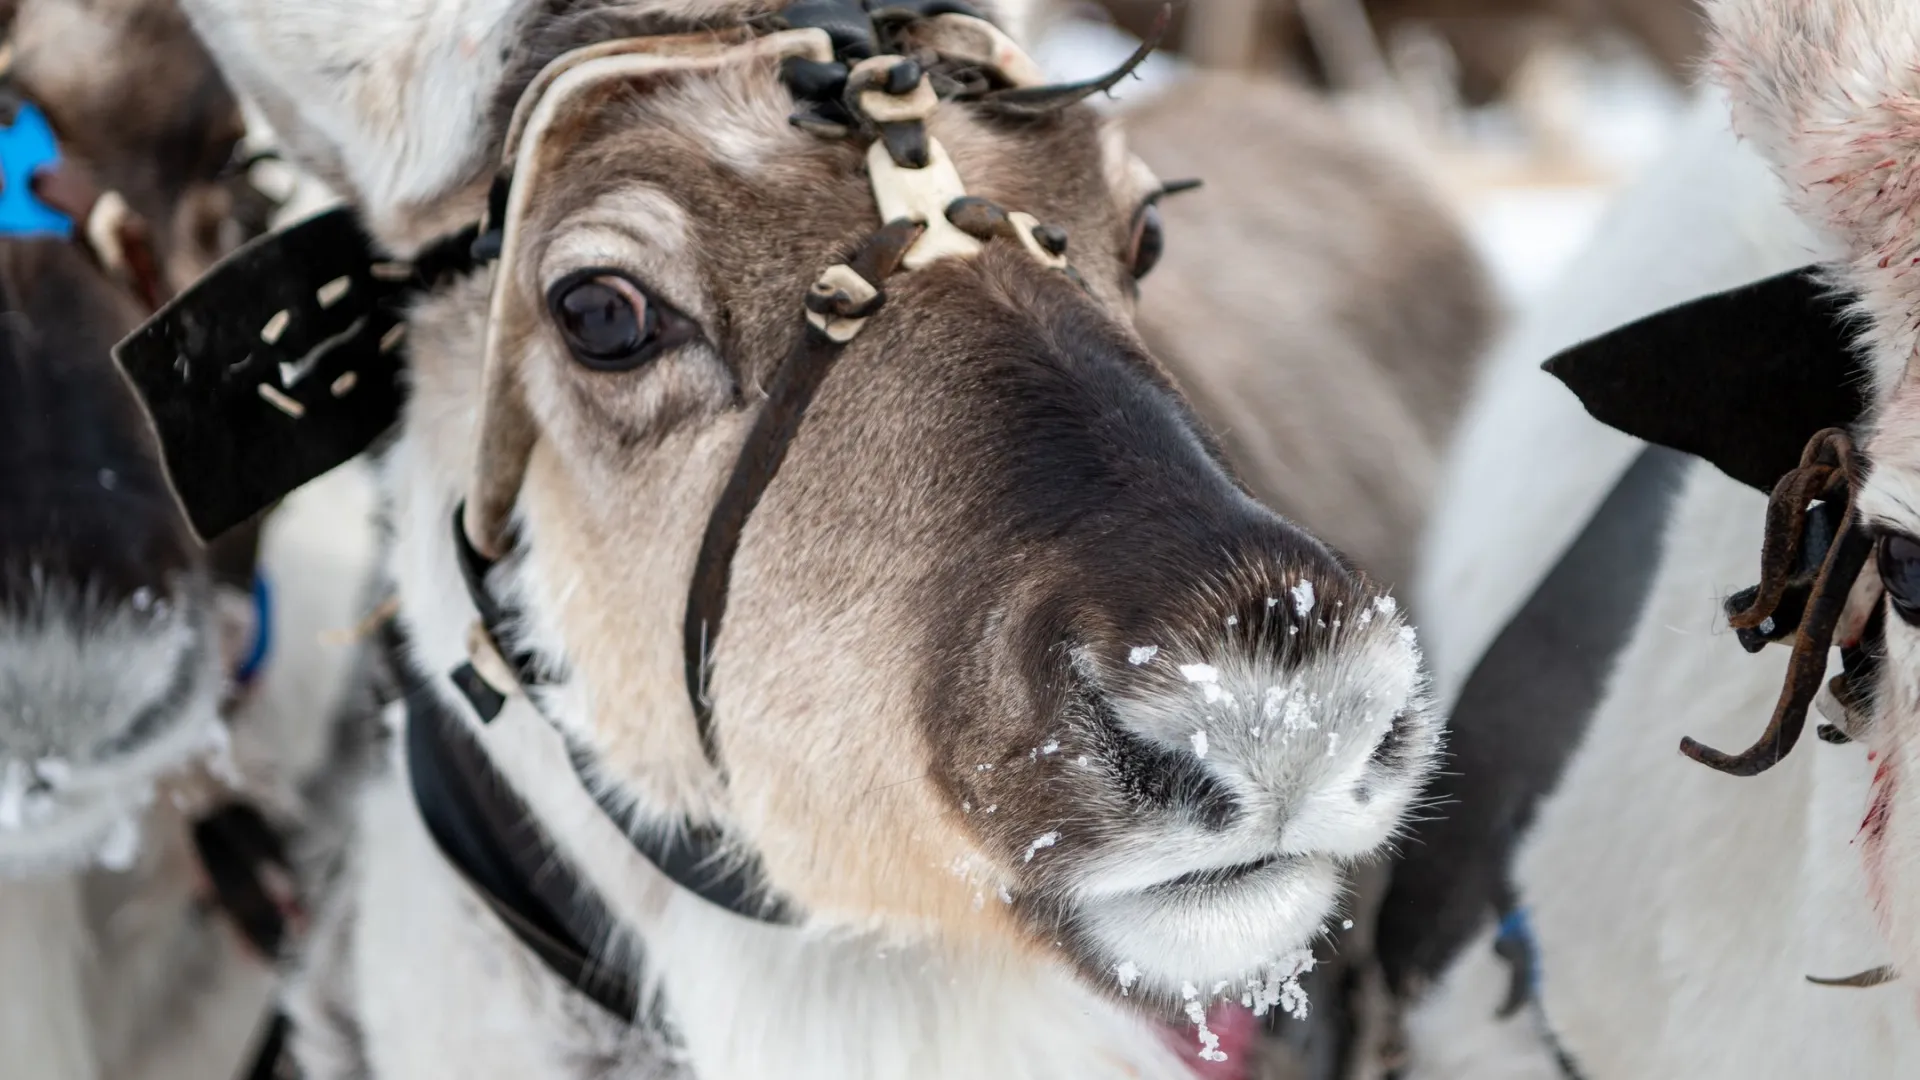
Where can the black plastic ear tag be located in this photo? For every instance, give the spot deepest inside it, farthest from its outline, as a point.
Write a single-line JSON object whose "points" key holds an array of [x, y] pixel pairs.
{"points": [[1741, 378], [280, 364]]}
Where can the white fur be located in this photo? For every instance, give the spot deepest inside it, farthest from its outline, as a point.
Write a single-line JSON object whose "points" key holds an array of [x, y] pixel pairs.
{"points": [[73, 679], [1457, 1032], [1678, 910], [42, 964], [411, 78], [1529, 466], [1295, 750]]}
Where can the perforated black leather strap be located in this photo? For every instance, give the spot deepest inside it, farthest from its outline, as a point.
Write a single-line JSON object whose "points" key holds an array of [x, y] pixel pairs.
{"points": [[281, 363]]}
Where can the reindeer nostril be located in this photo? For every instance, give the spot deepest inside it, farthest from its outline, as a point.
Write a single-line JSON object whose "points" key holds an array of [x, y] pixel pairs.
{"points": [[1155, 777], [1388, 752]]}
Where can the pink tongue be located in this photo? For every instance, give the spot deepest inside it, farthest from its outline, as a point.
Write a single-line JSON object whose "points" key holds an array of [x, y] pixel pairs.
{"points": [[1235, 1025]]}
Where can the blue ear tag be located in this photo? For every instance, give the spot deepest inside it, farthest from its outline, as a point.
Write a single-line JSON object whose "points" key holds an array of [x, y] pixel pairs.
{"points": [[25, 148]]}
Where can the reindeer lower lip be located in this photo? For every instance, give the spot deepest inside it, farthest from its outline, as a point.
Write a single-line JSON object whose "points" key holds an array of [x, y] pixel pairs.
{"points": [[1217, 877], [1204, 926]]}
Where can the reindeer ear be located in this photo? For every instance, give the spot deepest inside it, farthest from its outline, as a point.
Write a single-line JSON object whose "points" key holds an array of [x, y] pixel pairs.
{"points": [[1741, 378], [391, 104]]}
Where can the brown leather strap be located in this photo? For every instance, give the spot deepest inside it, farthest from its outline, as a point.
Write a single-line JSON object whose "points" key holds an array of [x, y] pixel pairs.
{"points": [[70, 188]]}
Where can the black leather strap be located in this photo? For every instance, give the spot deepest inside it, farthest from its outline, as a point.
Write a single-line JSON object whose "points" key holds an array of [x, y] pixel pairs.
{"points": [[486, 832], [239, 851], [788, 395]]}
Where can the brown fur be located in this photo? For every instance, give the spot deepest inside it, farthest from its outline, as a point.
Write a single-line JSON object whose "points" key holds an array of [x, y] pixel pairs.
{"points": [[130, 91], [1319, 303], [1490, 39], [605, 545]]}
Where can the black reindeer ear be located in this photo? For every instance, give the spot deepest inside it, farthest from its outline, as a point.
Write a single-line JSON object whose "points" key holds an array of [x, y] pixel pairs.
{"points": [[1741, 378]]}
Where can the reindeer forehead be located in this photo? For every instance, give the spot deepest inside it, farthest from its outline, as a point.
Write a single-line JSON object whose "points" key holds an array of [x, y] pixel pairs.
{"points": [[719, 97], [684, 78]]}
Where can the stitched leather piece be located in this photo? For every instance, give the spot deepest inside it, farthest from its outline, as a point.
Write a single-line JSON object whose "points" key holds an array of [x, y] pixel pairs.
{"points": [[280, 364]]}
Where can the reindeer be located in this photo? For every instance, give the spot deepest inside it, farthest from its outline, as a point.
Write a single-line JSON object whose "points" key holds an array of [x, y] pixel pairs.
{"points": [[145, 743], [1656, 917], [814, 669]]}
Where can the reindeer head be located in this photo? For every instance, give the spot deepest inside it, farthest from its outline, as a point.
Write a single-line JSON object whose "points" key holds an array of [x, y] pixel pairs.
{"points": [[1007, 654], [113, 663]]}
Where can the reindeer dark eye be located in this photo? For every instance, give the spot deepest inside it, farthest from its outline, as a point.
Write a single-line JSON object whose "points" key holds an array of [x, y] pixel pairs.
{"points": [[610, 324], [1899, 559], [1143, 254]]}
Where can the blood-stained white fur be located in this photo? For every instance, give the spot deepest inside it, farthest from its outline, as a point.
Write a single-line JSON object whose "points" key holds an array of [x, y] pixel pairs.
{"points": [[1678, 910], [1831, 93]]}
